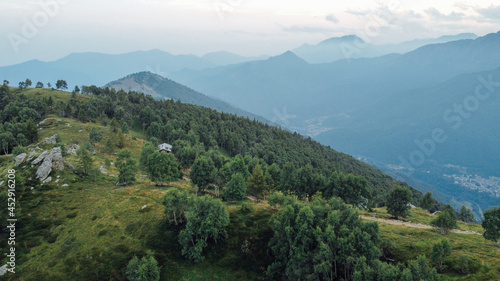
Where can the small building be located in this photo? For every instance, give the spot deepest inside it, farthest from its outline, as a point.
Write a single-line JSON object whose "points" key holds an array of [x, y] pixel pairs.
{"points": [[165, 147]]}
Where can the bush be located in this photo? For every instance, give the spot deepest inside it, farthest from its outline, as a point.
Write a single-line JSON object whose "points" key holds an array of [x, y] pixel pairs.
{"points": [[18, 150], [465, 265], [145, 269]]}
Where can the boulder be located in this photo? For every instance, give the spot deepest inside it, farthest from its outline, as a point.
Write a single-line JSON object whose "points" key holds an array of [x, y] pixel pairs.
{"points": [[57, 158], [44, 170], [31, 156], [64, 185], [51, 140], [48, 179], [52, 160], [40, 158], [19, 159]]}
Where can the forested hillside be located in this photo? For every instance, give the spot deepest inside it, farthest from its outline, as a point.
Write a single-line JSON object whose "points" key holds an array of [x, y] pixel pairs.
{"points": [[235, 200]]}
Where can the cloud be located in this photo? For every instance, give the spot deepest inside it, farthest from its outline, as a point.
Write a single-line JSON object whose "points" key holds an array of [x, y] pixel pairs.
{"points": [[492, 12], [306, 29], [437, 15], [332, 18]]}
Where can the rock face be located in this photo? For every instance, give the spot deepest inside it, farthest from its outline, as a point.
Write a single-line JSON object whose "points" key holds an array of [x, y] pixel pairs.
{"points": [[51, 140], [52, 160], [40, 158], [19, 159]]}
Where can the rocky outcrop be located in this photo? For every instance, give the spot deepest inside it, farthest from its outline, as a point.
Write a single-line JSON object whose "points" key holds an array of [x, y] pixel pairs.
{"points": [[51, 140], [19, 159], [51, 161], [40, 158]]}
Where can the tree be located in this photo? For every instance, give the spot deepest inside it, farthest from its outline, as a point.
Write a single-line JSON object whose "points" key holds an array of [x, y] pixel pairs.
{"points": [[39, 84], [7, 141], [427, 201], [31, 131], [176, 202], [22, 85], [440, 251], [466, 214], [162, 167], [28, 83], [83, 116], [350, 188], [203, 172], [61, 85], [6, 82], [121, 139], [21, 139], [491, 224], [109, 146], [84, 161], [145, 269], [398, 201], [320, 240], [446, 220], [127, 166], [257, 182], [76, 90], [206, 222], [235, 189], [95, 136], [49, 85]]}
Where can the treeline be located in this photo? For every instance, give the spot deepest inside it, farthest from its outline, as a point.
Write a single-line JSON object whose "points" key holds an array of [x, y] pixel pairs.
{"points": [[194, 130]]}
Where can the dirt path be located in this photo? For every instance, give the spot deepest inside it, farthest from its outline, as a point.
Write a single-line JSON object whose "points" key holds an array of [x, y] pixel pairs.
{"points": [[415, 225]]}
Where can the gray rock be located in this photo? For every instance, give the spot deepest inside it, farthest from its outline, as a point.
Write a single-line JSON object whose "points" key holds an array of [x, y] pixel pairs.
{"points": [[64, 185], [19, 159], [51, 140], [53, 160], [40, 158], [1, 183], [48, 179], [73, 148], [57, 181], [57, 158], [31, 156], [103, 170]]}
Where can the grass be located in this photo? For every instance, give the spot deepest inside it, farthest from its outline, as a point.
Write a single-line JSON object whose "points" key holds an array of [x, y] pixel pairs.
{"points": [[91, 226]]}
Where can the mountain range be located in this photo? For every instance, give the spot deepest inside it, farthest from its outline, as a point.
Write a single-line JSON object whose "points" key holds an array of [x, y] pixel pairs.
{"points": [[164, 88], [351, 46], [382, 105], [379, 108]]}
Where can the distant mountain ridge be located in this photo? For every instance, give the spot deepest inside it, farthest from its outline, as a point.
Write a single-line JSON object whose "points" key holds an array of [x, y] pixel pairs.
{"points": [[378, 107], [351, 47], [164, 88]]}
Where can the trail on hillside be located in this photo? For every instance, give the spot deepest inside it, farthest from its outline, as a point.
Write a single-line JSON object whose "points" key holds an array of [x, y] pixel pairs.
{"points": [[415, 225]]}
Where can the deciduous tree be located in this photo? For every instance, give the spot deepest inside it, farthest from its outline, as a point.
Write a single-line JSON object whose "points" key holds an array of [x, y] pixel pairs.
{"points": [[398, 201]]}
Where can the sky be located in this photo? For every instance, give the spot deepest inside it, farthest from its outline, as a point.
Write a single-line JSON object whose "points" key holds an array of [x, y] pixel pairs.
{"points": [[51, 29]]}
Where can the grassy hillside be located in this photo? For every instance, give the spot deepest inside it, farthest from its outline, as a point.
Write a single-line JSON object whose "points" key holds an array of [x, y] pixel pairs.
{"points": [[91, 228]]}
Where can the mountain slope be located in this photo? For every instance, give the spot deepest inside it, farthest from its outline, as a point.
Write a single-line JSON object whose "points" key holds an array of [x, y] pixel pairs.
{"points": [[351, 46], [99, 69], [368, 106], [163, 88]]}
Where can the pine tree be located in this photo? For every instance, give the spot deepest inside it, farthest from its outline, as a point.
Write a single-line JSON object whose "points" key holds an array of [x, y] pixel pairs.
{"points": [[257, 182], [145, 269], [427, 201], [466, 214], [85, 161]]}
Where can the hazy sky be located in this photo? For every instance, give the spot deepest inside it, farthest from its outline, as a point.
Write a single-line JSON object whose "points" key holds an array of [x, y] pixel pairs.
{"points": [[50, 29]]}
